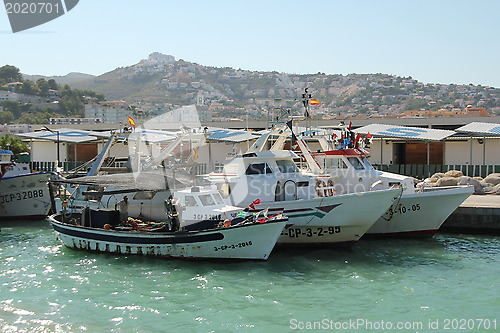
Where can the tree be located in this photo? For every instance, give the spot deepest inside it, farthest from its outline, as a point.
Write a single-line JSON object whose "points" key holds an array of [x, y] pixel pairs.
{"points": [[43, 85], [13, 143], [6, 117], [52, 84], [28, 88], [10, 73]]}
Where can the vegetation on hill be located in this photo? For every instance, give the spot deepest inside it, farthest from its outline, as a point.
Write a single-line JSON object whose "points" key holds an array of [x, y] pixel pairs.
{"points": [[39, 101]]}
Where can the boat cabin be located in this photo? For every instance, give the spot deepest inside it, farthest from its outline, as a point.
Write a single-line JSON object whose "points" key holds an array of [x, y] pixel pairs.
{"points": [[350, 171], [270, 175]]}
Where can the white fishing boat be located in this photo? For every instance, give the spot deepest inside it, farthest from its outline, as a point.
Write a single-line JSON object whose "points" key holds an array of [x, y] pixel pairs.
{"points": [[241, 240], [417, 212], [346, 170], [23, 195], [318, 216]]}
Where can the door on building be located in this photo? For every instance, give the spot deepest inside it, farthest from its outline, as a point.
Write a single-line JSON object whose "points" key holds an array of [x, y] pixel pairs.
{"points": [[416, 153], [84, 152]]}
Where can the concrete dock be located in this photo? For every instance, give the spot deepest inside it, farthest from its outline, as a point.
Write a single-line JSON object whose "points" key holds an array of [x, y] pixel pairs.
{"points": [[477, 214]]}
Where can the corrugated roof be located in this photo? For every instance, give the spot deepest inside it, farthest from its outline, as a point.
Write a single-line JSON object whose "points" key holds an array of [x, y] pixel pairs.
{"points": [[480, 128], [415, 133]]}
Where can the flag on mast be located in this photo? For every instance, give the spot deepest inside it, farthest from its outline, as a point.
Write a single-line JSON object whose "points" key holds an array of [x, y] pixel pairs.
{"points": [[131, 121], [313, 101]]}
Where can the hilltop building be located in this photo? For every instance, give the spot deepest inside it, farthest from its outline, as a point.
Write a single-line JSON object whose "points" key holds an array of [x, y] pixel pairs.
{"points": [[74, 121], [470, 111]]}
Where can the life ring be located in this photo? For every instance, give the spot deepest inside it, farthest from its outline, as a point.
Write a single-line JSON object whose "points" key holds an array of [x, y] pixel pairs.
{"points": [[320, 188], [330, 190]]}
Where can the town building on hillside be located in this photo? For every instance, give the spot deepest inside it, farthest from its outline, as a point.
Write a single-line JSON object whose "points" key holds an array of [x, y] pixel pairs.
{"points": [[8, 96], [13, 85], [15, 128], [110, 112]]}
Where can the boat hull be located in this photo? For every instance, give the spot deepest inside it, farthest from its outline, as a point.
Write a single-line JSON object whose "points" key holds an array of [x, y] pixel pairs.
{"points": [[333, 220], [254, 241], [25, 196], [419, 214]]}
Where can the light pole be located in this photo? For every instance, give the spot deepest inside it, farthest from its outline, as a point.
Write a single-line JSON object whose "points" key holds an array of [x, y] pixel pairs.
{"points": [[57, 132]]}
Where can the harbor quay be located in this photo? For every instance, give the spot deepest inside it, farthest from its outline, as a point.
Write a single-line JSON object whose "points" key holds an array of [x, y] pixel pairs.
{"points": [[477, 214]]}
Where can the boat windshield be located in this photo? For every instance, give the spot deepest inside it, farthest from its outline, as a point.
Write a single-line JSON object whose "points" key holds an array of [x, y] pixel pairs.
{"points": [[366, 163], [286, 166], [218, 199], [356, 163]]}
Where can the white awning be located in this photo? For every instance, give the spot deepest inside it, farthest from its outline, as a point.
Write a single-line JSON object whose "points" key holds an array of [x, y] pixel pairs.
{"points": [[65, 135], [480, 128], [403, 132]]}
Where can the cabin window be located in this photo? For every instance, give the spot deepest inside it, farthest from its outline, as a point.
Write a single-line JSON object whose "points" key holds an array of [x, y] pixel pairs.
{"points": [[144, 195], [207, 200], [190, 201], [356, 163], [258, 169], [335, 163], [286, 166]]}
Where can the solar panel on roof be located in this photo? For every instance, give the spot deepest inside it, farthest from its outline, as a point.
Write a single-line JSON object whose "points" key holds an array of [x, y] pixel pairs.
{"points": [[65, 135], [480, 128], [416, 133]]}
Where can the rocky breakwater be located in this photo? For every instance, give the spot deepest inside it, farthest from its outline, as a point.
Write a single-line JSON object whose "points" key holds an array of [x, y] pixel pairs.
{"points": [[488, 185]]}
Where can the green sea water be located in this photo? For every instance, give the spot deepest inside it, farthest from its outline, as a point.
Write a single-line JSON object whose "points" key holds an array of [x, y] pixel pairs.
{"points": [[450, 283]]}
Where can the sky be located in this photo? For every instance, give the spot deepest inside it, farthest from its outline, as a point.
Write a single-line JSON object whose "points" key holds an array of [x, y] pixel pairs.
{"points": [[438, 41]]}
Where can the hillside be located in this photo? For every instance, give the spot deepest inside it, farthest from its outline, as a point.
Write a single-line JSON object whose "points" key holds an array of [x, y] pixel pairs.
{"points": [[161, 81], [70, 78]]}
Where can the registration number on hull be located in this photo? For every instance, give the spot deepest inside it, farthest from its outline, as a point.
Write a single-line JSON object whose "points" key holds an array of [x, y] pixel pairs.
{"points": [[24, 195], [310, 232]]}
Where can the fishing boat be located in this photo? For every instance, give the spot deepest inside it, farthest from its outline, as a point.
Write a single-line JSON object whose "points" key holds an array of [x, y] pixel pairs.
{"points": [[416, 212], [318, 216], [343, 168], [102, 231], [341, 165], [23, 195]]}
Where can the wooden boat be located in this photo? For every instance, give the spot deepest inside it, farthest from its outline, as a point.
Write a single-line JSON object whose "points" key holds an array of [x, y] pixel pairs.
{"points": [[100, 231]]}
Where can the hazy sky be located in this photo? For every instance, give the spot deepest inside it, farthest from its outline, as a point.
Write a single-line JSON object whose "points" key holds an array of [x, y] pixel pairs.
{"points": [[437, 41]]}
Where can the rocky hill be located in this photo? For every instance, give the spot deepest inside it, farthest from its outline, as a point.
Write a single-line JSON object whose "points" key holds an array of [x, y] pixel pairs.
{"points": [[161, 81]]}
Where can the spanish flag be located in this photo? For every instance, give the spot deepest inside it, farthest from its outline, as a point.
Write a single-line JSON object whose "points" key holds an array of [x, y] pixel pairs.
{"points": [[131, 121], [314, 102]]}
